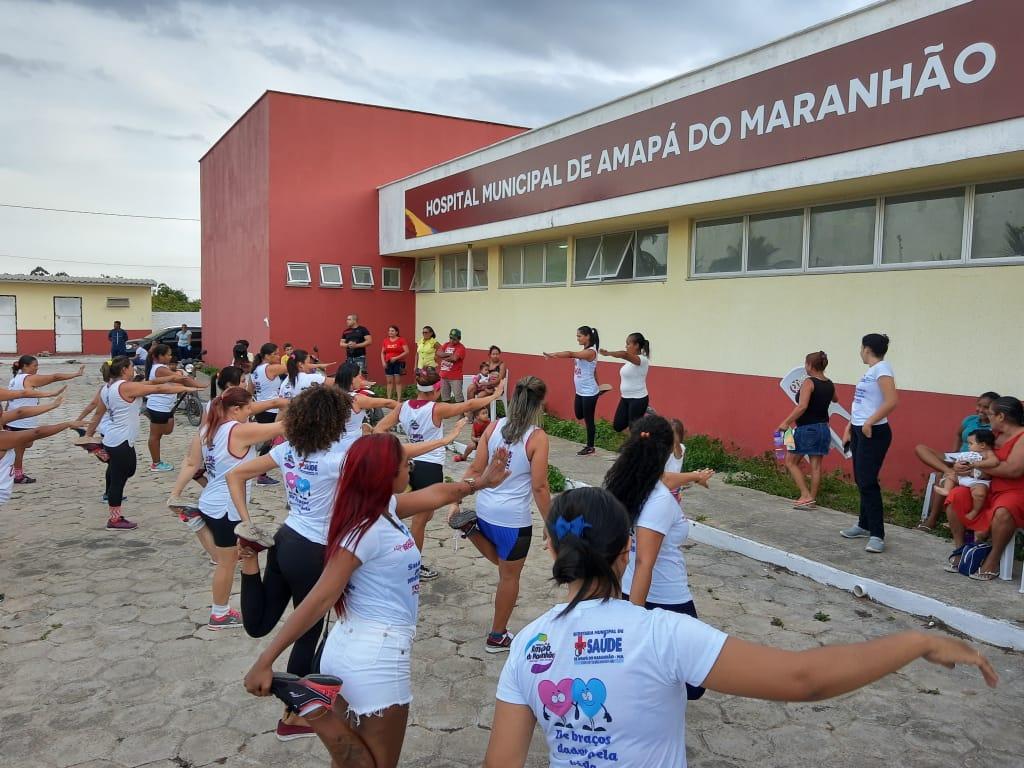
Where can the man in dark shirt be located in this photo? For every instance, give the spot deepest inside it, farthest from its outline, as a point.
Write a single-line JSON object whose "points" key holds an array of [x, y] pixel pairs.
{"points": [[118, 340], [355, 339]]}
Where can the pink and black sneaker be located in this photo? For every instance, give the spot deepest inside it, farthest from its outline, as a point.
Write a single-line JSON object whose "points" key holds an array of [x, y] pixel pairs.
{"points": [[303, 695], [121, 524], [255, 538]]}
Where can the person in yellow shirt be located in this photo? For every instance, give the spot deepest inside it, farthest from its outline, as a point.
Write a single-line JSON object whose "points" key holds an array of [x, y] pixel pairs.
{"points": [[426, 349]]}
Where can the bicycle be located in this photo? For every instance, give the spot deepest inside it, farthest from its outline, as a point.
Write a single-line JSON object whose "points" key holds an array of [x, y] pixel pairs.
{"points": [[189, 402]]}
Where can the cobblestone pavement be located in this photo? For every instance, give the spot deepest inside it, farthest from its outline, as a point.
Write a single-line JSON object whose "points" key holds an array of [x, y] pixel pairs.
{"points": [[105, 659]]}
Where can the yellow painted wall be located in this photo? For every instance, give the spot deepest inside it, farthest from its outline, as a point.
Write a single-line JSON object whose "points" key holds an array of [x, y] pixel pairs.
{"points": [[953, 330], [35, 305]]}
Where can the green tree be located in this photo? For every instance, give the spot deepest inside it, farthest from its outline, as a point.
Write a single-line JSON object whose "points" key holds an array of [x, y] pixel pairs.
{"points": [[167, 299]]}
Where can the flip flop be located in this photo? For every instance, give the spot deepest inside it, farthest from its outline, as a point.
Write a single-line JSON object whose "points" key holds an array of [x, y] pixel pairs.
{"points": [[983, 575], [923, 527], [805, 504]]}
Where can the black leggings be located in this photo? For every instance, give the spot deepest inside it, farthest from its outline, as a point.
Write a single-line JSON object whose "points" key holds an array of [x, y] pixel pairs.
{"points": [[266, 417], [584, 406], [868, 455], [294, 564], [693, 692], [120, 467], [629, 410]]}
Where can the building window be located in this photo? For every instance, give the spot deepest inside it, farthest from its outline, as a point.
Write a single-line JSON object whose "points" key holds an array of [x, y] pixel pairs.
{"points": [[425, 278], [536, 264], [457, 267], [118, 302], [638, 255], [843, 235], [391, 278], [718, 246], [298, 273], [362, 277], [330, 276], [998, 224], [923, 228], [775, 241]]}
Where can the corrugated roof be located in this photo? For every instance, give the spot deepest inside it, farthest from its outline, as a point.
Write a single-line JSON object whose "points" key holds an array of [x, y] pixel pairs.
{"points": [[70, 280]]}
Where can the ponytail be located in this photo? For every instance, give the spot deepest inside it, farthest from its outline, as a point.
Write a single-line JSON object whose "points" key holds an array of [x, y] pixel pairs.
{"points": [[228, 376], [267, 349], [588, 530], [640, 464], [219, 407], [117, 367], [642, 342], [22, 362], [525, 408], [346, 375], [818, 361], [591, 333], [157, 350], [297, 356]]}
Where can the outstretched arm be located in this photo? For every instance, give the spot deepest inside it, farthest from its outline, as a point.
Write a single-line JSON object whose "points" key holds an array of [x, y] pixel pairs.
{"points": [[43, 379], [192, 462], [442, 494], [26, 437], [447, 410], [28, 411], [622, 354], [412, 450]]}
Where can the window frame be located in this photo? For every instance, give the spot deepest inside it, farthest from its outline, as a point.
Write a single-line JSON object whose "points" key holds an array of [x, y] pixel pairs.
{"points": [[876, 265], [397, 271], [470, 257], [634, 244], [304, 265], [559, 245], [414, 285], [362, 284], [115, 302], [330, 284]]}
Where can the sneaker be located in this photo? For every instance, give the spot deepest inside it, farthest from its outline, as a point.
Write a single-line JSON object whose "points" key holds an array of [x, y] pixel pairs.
{"points": [[266, 480], [602, 388], [462, 520], [499, 644], [255, 537], [288, 732], [162, 466], [24, 480], [121, 524], [90, 443], [303, 695], [230, 620], [102, 455], [875, 545], [427, 573], [854, 532], [459, 457], [586, 450], [183, 509], [80, 431]]}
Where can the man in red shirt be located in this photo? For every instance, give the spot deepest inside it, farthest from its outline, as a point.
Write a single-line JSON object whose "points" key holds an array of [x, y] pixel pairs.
{"points": [[450, 357]]}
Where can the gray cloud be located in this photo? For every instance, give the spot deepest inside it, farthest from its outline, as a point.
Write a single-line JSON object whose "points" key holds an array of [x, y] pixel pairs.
{"points": [[149, 133], [27, 67]]}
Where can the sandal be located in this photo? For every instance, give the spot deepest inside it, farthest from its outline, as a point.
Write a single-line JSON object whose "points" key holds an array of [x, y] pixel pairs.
{"points": [[809, 504], [923, 527], [983, 575], [953, 564]]}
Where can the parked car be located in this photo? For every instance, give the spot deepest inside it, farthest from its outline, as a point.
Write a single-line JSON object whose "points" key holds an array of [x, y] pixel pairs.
{"points": [[168, 336]]}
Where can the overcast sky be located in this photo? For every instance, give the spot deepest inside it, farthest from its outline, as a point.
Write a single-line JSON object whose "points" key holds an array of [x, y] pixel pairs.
{"points": [[108, 104]]}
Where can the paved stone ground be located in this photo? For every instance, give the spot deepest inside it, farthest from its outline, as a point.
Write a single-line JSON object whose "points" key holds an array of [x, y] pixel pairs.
{"points": [[105, 659]]}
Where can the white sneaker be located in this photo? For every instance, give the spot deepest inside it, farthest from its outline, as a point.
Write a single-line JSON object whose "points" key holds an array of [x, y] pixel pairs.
{"points": [[875, 545]]}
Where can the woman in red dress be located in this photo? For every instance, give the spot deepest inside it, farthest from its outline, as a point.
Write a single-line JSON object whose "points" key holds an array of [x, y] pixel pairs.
{"points": [[1003, 512]]}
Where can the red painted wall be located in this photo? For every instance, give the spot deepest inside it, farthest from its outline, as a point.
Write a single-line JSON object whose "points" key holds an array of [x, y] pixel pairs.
{"points": [[234, 182], [32, 342], [97, 343], [327, 159], [746, 410]]}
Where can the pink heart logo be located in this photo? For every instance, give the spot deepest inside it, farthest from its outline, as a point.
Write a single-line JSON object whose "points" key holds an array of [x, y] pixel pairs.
{"points": [[556, 697], [290, 478]]}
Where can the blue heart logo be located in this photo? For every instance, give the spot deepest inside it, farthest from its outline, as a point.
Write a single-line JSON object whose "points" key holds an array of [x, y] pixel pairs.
{"points": [[589, 696]]}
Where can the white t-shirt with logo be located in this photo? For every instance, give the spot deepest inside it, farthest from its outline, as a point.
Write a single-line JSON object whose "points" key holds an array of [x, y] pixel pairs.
{"points": [[303, 381], [633, 379], [264, 387], [386, 587], [311, 483], [669, 584], [417, 420], [868, 397], [584, 376], [607, 682]]}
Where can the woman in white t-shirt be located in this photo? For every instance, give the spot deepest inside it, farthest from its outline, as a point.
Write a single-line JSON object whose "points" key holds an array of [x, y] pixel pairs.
{"points": [[371, 577], [605, 679], [655, 576], [421, 419], [266, 378], [10, 441], [502, 525], [302, 373], [869, 436], [584, 377], [633, 397], [350, 380]]}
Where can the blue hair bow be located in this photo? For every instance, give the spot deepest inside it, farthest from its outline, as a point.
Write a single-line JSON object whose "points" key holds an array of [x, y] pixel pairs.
{"points": [[576, 526]]}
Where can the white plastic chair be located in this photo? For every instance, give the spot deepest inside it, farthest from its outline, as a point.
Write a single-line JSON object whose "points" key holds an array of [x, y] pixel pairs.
{"points": [[1006, 562], [467, 380]]}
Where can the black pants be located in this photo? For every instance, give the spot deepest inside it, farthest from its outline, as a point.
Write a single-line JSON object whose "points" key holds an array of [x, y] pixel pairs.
{"points": [[629, 410], [265, 418], [294, 564], [584, 406], [868, 455], [693, 692], [120, 467]]}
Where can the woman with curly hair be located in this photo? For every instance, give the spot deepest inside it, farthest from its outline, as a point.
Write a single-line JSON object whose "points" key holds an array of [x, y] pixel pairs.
{"points": [[310, 461]]}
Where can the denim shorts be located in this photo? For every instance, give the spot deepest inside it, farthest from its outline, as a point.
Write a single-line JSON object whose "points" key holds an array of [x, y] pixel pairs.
{"points": [[394, 368], [812, 440], [372, 660]]}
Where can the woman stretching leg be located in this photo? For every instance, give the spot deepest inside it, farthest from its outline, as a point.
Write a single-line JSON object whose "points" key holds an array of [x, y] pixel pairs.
{"points": [[584, 376]]}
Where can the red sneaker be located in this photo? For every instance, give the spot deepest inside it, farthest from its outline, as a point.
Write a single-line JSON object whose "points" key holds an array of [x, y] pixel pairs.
{"points": [[121, 524], [303, 695], [287, 732]]}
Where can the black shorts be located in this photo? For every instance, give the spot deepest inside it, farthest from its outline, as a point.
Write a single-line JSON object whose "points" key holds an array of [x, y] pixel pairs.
{"points": [[425, 474], [16, 429], [394, 368], [222, 528], [159, 417], [266, 417]]}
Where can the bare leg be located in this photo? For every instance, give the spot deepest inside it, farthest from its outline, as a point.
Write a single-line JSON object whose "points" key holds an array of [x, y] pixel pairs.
{"points": [[156, 432], [385, 734], [375, 743], [934, 511], [19, 458], [956, 527], [224, 574], [815, 475], [793, 465], [206, 539], [1003, 528], [507, 593], [978, 495], [931, 458], [945, 485], [484, 546], [418, 527]]}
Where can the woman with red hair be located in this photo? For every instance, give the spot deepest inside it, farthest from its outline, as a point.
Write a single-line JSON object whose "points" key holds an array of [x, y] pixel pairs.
{"points": [[371, 578]]}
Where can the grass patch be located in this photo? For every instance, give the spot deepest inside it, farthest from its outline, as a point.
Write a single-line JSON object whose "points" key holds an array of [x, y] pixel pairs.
{"points": [[822, 616], [777, 622]]}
